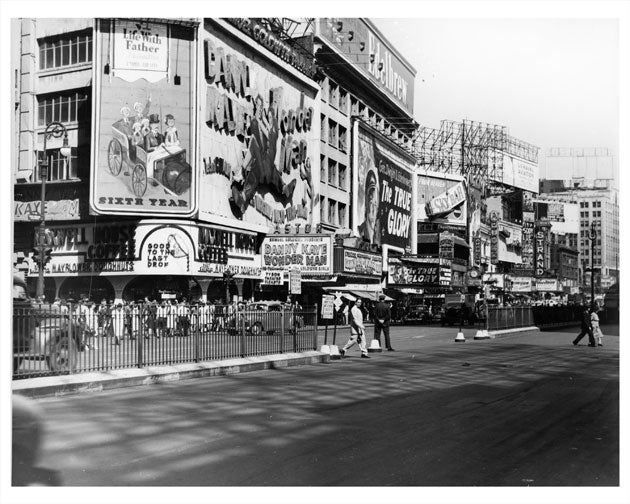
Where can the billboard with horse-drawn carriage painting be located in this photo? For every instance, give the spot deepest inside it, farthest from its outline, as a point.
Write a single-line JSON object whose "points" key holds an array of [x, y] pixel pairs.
{"points": [[143, 122]]}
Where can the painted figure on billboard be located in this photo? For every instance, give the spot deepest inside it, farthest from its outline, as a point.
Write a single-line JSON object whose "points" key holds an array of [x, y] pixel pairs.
{"points": [[370, 228], [141, 161], [383, 194], [259, 166]]}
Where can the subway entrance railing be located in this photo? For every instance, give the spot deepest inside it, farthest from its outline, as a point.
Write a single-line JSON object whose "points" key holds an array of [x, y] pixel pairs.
{"points": [[52, 340]]}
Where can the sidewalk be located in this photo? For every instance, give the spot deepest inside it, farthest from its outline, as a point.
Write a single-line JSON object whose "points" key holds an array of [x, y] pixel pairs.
{"points": [[118, 378]]}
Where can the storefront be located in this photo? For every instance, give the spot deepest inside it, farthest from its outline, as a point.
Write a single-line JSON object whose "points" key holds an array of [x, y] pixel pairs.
{"points": [[152, 258]]}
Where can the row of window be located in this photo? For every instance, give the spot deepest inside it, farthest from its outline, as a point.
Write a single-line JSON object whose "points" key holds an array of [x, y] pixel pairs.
{"points": [[333, 212], [335, 133], [585, 204], [69, 106], [59, 167], [335, 96], [335, 173], [65, 50], [596, 213]]}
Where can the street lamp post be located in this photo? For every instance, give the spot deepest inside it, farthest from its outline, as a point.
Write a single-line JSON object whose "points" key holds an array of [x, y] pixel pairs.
{"points": [[592, 236], [53, 130]]}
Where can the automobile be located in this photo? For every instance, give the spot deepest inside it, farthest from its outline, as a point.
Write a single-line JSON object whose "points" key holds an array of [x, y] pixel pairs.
{"points": [[43, 332], [417, 314], [265, 317]]}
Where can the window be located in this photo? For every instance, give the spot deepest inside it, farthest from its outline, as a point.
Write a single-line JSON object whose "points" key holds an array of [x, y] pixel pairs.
{"points": [[342, 215], [323, 123], [343, 101], [332, 212], [322, 170], [322, 209], [586, 204], [343, 174], [65, 50], [334, 95], [69, 106], [332, 132], [332, 172], [59, 167], [343, 139]]}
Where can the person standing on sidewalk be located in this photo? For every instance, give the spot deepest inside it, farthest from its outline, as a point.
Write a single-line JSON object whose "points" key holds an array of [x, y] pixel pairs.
{"points": [[382, 319], [597, 331], [587, 328], [357, 331]]}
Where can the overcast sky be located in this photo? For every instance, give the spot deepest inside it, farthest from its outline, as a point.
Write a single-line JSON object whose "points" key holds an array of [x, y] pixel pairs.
{"points": [[552, 82]]}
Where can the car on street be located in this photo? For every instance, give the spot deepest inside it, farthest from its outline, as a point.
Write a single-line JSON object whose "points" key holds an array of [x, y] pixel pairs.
{"points": [[265, 317], [417, 314], [42, 331]]}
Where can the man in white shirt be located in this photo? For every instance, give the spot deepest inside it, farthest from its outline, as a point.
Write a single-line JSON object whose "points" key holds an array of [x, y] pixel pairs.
{"points": [[357, 331]]}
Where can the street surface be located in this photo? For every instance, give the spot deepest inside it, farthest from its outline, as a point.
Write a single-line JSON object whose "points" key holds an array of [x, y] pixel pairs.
{"points": [[519, 410]]}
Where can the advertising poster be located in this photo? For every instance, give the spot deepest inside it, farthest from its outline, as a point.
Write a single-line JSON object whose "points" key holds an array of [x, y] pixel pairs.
{"points": [[295, 281], [308, 254], [143, 155], [494, 238], [259, 140], [328, 306], [447, 245], [527, 251], [521, 284], [441, 199], [382, 196], [363, 263], [424, 271], [520, 173]]}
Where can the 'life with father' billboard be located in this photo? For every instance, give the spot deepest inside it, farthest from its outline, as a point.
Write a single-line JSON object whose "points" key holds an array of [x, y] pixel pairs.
{"points": [[144, 89], [382, 195]]}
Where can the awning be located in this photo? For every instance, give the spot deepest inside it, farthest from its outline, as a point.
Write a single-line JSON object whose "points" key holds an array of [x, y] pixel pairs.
{"points": [[372, 296]]}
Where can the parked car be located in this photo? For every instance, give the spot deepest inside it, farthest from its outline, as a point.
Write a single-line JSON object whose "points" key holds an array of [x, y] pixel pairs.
{"points": [[417, 314], [43, 332], [265, 317]]}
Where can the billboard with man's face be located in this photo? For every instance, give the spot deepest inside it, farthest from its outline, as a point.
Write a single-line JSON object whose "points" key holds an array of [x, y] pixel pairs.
{"points": [[382, 195], [143, 154]]}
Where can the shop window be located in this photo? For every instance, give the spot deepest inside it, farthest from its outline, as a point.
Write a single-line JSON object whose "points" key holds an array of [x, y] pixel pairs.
{"points": [[65, 50]]}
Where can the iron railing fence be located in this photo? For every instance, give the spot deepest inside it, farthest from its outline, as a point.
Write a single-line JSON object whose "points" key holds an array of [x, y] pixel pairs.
{"points": [[50, 340], [509, 317]]}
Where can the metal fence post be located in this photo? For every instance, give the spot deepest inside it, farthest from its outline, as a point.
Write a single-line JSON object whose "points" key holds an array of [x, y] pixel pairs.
{"points": [[242, 330], [282, 330], [140, 338], [315, 334], [70, 344]]}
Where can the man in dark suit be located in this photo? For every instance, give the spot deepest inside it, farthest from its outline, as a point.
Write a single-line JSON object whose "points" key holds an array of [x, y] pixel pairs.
{"points": [[382, 319], [586, 329]]}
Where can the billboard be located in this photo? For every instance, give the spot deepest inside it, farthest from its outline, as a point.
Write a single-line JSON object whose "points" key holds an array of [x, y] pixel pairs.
{"points": [[259, 139], [382, 191], [143, 152], [310, 254], [420, 271], [386, 69], [363, 263], [520, 173], [441, 199]]}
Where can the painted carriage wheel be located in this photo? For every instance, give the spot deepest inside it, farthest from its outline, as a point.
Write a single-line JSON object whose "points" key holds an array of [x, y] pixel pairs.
{"points": [[182, 182], [114, 156], [139, 180]]}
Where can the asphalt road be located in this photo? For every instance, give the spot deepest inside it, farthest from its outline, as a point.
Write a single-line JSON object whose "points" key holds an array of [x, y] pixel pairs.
{"points": [[519, 410]]}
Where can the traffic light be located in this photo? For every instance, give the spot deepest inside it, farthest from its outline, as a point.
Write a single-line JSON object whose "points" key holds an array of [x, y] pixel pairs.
{"points": [[35, 257], [47, 255]]}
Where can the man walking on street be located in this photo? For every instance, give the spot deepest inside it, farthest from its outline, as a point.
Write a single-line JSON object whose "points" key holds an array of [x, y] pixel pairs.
{"points": [[382, 319], [586, 329], [357, 331]]}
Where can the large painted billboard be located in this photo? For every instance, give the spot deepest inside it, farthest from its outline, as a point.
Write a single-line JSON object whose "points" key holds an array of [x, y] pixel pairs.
{"points": [[259, 137], [441, 199], [520, 173], [382, 191], [143, 150]]}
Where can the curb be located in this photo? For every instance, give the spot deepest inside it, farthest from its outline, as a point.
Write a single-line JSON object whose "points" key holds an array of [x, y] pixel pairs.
{"points": [[514, 330], [119, 378]]}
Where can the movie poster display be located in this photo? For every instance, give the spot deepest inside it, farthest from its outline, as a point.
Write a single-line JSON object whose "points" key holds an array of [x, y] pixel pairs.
{"points": [[310, 254], [259, 138], [382, 195], [143, 152], [425, 271]]}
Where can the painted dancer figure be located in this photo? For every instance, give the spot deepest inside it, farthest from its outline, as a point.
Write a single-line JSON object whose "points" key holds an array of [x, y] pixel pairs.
{"points": [[259, 164]]}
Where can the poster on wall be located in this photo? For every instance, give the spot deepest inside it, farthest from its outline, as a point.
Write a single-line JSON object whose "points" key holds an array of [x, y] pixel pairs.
{"points": [[382, 196], [259, 140], [143, 154]]}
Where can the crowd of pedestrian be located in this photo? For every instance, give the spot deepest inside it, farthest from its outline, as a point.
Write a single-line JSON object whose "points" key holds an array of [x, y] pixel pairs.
{"points": [[149, 318]]}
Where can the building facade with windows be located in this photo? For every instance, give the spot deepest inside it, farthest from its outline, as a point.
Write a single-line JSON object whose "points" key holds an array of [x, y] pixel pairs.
{"points": [[191, 142]]}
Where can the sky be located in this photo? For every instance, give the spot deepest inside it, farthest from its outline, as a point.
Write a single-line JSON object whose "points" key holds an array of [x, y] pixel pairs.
{"points": [[552, 82]]}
